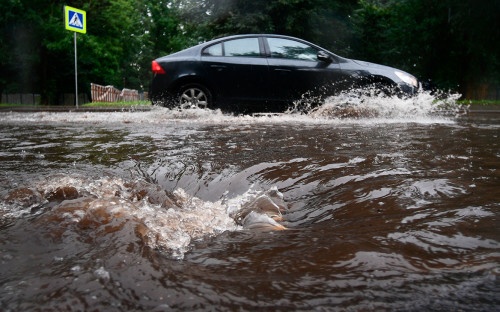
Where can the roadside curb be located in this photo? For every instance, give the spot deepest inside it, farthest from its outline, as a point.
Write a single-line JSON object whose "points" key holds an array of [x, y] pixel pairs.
{"points": [[34, 109]]}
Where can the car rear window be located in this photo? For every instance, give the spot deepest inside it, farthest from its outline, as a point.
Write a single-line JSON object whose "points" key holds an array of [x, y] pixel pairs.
{"points": [[244, 47], [214, 50]]}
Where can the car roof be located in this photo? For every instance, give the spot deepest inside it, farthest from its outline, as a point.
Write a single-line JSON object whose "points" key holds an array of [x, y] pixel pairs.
{"points": [[218, 39], [195, 50]]}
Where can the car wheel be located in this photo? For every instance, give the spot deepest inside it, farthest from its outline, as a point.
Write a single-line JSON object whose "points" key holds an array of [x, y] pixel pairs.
{"points": [[194, 96]]}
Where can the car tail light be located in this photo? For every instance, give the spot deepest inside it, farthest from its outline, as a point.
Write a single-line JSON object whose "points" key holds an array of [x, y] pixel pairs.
{"points": [[157, 69]]}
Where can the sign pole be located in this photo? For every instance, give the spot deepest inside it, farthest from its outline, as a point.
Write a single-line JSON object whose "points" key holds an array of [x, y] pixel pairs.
{"points": [[76, 73], [75, 20]]}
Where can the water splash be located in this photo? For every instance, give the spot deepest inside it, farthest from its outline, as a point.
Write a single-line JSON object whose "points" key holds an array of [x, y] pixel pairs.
{"points": [[110, 208], [258, 210], [358, 104], [354, 105]]}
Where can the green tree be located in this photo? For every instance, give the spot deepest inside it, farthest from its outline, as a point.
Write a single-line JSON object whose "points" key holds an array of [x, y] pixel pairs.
{"points": [[8, 35], [322, 21], [163, 33], [31, 54], [455, 43], [37, 53]]}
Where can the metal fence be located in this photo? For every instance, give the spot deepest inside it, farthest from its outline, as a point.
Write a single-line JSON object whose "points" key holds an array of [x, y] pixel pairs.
{"points": [[111, 94], [483, 92], [30, 99], [21, 98], [68, 99]]}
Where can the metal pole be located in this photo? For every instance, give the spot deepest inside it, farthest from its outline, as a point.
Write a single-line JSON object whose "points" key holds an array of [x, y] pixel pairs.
{"points": [[76, 75]]}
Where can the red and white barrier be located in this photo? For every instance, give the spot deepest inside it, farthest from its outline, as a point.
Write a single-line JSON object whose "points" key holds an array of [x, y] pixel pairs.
{"points": [[111, 94]]}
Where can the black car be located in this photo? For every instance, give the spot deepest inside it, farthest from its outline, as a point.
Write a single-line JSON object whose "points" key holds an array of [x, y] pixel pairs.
{"points": [[264, 73]]}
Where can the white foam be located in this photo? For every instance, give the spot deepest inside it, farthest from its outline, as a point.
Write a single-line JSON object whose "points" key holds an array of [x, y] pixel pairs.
{"points": [[167, 225], [102, 274], [173, 229], [348, 107]]}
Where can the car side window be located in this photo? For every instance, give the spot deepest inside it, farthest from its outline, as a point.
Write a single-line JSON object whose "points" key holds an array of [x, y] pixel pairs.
{"points": [[242, 47], [290, 49], [213, 50]]}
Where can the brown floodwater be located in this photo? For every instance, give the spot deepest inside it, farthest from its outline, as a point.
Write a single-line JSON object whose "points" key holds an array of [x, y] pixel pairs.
{"points": [[396, 210]]}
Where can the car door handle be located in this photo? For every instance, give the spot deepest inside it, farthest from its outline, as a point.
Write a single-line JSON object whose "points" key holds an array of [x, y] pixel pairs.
{"points": [[283, 70], [218, 67]]}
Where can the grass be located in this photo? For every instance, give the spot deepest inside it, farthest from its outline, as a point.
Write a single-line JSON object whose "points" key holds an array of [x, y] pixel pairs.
{"points": [[91, 104], [116, 104], [479, 102]]}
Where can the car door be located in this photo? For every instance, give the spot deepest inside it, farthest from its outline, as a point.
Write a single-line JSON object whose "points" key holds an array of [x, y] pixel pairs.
{"points": [[295, 69], [237, 68]]}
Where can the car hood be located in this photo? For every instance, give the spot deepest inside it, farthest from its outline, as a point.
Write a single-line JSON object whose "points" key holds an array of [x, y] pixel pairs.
{"points": [[373, 65], [387, 71]]}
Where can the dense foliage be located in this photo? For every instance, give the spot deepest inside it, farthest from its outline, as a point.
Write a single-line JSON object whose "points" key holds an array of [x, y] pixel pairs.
{"points": [[455, 43]]}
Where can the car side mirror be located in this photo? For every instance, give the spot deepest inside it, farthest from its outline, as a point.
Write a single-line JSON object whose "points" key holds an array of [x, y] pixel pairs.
{"points": [[322, 56]]}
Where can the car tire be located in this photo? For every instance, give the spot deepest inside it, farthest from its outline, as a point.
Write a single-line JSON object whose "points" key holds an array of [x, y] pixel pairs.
{"points": [[194, 95]]}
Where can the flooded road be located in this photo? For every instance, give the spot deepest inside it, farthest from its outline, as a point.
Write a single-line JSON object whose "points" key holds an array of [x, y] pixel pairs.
{"points": [[195, 210]]}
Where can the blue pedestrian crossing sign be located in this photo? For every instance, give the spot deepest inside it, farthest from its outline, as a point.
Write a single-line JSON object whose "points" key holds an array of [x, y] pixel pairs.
{"points": [[75, 19]]}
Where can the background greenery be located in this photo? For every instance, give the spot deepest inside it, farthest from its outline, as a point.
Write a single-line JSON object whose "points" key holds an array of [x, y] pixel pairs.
{"points": [[452, 43]]}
